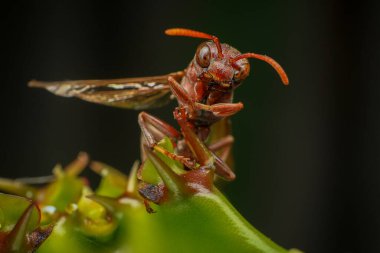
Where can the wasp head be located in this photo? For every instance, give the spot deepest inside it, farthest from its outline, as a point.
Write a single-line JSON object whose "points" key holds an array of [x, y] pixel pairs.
{"points": [[218, 69], [221, 66]]}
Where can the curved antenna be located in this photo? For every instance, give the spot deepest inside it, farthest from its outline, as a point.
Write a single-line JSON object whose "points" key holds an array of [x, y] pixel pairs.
{"points": [[267, 59], [195, 34]]}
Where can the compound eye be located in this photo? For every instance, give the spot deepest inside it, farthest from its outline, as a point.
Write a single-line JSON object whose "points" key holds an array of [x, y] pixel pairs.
{"points": [[203, 55], [242, 73]]}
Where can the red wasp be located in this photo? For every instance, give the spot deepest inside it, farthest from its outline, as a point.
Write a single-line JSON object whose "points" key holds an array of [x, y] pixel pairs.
{"points": [[204, 91]]}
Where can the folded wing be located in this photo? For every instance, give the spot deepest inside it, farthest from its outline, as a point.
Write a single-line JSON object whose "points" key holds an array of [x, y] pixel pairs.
{"points": [[131, 93]]}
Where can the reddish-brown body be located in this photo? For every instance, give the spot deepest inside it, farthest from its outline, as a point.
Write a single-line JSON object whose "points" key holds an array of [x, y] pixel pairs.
{"points": [[204, 95]]}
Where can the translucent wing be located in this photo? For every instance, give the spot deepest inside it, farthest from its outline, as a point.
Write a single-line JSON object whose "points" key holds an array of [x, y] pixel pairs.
{"points": [[132, 93]]}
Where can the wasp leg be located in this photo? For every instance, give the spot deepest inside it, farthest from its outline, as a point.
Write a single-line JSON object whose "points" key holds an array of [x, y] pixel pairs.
{"points": [[220, 109], [180, 93], [154, 130], [203, 155], [223, 170], [223, 146]]}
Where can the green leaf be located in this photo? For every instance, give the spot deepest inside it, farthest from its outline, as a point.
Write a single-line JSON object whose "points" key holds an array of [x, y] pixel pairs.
{"points": [[11, 209], [113, 183]]}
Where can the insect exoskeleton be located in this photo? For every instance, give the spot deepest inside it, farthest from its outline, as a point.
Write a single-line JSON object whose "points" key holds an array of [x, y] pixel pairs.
{"points": [[204, 91]]}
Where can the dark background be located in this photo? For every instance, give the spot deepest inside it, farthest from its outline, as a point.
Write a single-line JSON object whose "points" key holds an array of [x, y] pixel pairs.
{"points": [[307, 155]]}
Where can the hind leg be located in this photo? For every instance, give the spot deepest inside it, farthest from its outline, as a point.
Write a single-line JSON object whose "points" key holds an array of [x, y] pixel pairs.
{"points": [[223, 146]]}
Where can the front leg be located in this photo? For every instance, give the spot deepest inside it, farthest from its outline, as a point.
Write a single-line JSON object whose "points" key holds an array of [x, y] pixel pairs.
{"points": [[219, 109]]}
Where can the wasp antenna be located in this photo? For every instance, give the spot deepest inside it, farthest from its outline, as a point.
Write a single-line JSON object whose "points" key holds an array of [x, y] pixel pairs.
{"points": [[267, 59], [195, 34]]}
